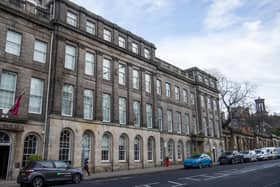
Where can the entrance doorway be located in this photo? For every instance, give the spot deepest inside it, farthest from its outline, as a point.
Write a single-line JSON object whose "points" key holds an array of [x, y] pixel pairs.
{"points": [[4, 156]]}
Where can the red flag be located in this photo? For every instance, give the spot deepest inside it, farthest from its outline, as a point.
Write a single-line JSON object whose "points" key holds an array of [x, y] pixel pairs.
{"points": [[14, 109]]}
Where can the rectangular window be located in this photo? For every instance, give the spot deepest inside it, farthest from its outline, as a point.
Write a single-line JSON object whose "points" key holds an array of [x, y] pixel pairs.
{"points": [[136, 113], [122, 74], [158, 87], [192, 99], [70, 57], [107, 35], [121, 42], [13, 43], [194, 126], [204, 126], [122, 110], [135, 79], [209, 103], [177, 93], [106, 105], [36, 96], [160, 121], [149, 113], [106, 69], [90, 27], [167, 90], [187, 123], [185, 96], [148, 83], [67, 100], [179, 122], [147, 53], [215, 106], [7, 90], [88, 104], [202, 104], [71, 19], [135, 48], [169, 121], [89, 64], [40, 51]]}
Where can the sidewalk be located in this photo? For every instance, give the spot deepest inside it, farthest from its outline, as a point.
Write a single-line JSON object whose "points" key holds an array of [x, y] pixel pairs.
{"points": [[130, 172]]}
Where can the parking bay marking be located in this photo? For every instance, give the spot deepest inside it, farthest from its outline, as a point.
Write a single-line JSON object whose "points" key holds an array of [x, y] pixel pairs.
{"points": [[176, 183], [148, 185]]}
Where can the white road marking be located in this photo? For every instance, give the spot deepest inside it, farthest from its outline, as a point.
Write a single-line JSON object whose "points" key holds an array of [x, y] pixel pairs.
{"points": [[148, 185], [177, 184]]}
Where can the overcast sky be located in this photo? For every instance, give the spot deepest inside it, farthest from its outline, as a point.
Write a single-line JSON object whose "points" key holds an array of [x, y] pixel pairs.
{"points": [[240, 38]]}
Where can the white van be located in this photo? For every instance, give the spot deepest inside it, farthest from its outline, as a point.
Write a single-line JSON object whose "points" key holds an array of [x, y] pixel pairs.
{"points": [[270, 151]]}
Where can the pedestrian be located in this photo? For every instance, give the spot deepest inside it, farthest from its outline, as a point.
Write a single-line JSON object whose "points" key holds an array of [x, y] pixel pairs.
{"points": [[86, 167]]}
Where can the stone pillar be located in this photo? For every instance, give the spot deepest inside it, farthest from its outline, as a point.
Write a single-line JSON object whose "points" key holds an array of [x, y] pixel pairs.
{"points": [[99, 92], [115, 90]]}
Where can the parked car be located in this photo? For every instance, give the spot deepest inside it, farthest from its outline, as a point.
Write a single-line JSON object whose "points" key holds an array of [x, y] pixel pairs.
{"points": [[277, 152], [198, 161], [261, 154], [231, 157], [39, 173], [249, 156]]}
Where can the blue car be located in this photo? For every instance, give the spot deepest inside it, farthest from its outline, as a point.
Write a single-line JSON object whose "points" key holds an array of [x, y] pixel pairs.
{"points": [[198, 161]]}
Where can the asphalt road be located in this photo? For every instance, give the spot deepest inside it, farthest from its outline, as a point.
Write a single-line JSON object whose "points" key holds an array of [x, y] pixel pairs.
{"points": [[256, 174]]}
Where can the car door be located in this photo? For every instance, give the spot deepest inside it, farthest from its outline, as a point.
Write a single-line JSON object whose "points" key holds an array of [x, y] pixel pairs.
{"points": [[48, 170], [62, 171]]}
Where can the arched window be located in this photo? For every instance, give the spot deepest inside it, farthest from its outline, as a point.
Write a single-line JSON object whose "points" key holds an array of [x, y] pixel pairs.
{"points": [[161, 149], [65, 145], [4, 138], [105, 148], [30, 148], [137, 149], [170, 150], [150, 149], [122, 148], [86, 141], [180, 150]]}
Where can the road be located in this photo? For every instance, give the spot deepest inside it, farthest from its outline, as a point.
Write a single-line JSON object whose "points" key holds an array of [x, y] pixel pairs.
{"points": [[255, 174]]}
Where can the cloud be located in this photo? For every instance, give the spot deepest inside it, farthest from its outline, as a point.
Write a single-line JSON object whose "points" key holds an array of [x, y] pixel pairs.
{"points": [[249, 52], [221, 14]]}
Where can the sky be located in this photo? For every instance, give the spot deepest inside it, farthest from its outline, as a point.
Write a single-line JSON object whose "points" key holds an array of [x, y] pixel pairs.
{"points": [[239, 38]]}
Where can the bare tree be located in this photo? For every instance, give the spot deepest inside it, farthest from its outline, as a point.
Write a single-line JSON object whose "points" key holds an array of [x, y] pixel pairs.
{"points": [[233, 94]]}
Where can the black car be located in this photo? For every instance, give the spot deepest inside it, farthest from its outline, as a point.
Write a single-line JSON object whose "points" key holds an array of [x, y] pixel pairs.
{"points": [[231, 157], [39, 173]]}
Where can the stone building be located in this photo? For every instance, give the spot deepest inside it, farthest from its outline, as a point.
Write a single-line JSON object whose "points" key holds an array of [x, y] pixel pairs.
{"points": [[93, 90]]}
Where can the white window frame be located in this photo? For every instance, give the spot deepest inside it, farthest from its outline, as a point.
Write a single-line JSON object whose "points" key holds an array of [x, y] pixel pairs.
{"points": [[122, 42], [148, 83], [89, 63], [170, 150], [136, 113], [122, 74], [185, 95], [158, 87], [5, 88], [122, 110], [168, 89], [106, 107], [106, 68], [88, 104], [107, 35], [71, 19], [90, 27], [179, 122], [38, 95], [180, 153], [70, 58], [70, 99], [105, 148], [177, 93], [13, 43], [147, 53], [40, 52], [149, 115], [122, 148], [137, 149], [169, 121], [150, 150], [135, 48], [135, 79]]}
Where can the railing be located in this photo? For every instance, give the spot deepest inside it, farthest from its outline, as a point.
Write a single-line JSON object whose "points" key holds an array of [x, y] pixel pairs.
{"points": [[28, 7]]}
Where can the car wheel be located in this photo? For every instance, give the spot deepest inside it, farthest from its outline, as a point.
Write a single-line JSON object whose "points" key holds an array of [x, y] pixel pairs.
{"points": [[76, 178], [199, 165], [38, 182], [232, 161], [241, 160]]}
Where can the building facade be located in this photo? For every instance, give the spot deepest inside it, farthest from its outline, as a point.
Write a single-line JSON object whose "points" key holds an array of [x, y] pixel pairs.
{"points": [[92, 90]]}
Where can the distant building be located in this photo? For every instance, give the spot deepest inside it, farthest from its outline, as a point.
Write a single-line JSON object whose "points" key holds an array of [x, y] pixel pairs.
{"points": [[96, 91]]}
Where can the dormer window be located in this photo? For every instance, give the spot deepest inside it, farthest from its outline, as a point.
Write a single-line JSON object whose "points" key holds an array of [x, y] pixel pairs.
{"points": [[135, 48], [107, 35], [147, 53], [71, 19], [121, 42]]}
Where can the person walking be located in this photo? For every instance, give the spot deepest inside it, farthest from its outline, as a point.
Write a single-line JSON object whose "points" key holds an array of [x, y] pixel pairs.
{"points": [[86, 167]]}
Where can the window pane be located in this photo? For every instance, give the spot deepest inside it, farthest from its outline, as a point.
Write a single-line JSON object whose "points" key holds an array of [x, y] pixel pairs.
{"points": [[88, 104], [30, 148], [90, 27], [13, 43], [107, 35], [70, 57], [106, 69], [40, 51], [122, 110], [7, 90], [65, 146], [121, 42], [89, 63], [134, 48], [67, 100], [135, 79], [36, 96], [122, 74], [106, 104], [136, 111], [149, 114], [169, 121], [148, 83], [71, 19]]}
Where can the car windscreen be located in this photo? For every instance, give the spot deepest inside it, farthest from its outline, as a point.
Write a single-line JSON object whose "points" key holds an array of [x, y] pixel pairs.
{"points": [[258, 151], [245, 152], [195, 156]]}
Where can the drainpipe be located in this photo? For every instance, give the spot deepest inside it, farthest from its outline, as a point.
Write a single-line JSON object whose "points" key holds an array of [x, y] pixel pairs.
{"points": [[48, 90]]}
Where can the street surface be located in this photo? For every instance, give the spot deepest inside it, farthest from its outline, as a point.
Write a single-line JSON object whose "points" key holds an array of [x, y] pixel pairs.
{"points": [[256, 174]]}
